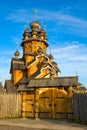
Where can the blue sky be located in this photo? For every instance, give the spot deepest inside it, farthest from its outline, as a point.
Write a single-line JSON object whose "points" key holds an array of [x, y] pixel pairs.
{"points": [[66, 26]]}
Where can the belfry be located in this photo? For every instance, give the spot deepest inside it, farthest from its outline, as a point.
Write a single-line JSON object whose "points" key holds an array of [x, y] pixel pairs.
{"points": [[35, 76]]}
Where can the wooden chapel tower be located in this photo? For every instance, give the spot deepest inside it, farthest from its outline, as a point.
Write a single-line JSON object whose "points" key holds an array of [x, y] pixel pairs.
{"points": [[35, 63]]}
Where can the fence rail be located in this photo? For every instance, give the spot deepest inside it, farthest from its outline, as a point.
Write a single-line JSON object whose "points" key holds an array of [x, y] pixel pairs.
{"points": [[80, 107], [10, 105]]}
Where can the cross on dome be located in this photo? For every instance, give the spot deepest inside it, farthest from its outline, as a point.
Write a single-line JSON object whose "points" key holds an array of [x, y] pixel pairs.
{"points": [[35, 14], [26, 25]]}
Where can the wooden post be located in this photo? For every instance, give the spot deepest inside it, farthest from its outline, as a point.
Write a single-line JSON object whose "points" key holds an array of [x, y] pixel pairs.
{"points": [[53, 103], [37, 103], [23, 104], [70, 93], [21, 101]]}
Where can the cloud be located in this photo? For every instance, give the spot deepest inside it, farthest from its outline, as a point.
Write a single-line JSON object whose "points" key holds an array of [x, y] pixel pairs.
{"points": [[62, 22], [71, 59], [73, 52], [67, 48], [62, 18], [21, 15]]}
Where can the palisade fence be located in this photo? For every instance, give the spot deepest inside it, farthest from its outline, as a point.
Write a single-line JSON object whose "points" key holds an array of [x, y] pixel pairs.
{"points": [[80, 107], [10, 105]]}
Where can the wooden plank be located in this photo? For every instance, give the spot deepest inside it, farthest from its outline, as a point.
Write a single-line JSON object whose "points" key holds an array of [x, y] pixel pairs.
{"points": [[80, 107]]}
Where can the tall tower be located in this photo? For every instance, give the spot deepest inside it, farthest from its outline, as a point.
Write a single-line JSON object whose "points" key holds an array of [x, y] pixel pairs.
{"points": [[35, 63]]}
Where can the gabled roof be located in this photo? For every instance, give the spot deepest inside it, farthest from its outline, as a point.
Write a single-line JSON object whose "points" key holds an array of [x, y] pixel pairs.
{"points": [[2, 90], [17, 64], [55, 82], [10, 88], [36, 73], [24, 80]]}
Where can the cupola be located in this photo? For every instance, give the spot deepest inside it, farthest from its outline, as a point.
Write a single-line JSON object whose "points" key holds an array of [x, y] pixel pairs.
{"points": [[40, 50], [26, 34], [42, 34], [17, 54], [35, 26]]}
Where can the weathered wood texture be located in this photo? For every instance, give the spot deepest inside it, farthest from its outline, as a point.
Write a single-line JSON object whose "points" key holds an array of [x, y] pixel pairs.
{"points": [[80, 107], [10, 105]]}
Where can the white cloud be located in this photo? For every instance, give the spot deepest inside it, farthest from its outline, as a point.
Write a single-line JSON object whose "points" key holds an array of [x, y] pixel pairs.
{"points": [[66, 22], [71, 59], [75, 52], [20, 15], [67, 48]]}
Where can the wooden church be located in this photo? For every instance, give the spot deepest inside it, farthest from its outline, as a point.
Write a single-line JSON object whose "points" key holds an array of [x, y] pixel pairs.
{"points": [[35, 76]]}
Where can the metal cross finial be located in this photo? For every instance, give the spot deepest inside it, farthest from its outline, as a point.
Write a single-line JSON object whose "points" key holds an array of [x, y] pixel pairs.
{"points": [[76, 73], [35, 14], [17, 45], [41, 24], [26, 25], [44, 27]]}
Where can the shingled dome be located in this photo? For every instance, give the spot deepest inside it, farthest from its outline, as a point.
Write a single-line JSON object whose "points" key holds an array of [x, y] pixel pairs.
{"points": [[17, 53], [42, 31], [26, 32], [35, 26], [40, 50]]}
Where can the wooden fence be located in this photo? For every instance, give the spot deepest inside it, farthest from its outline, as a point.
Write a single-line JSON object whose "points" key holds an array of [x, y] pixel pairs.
{"points": [[10, 105], [80, 107]]}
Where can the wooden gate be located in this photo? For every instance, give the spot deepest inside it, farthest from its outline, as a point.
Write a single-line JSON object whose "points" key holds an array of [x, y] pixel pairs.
{"points": [[54, 103], [28, 104], [51, 103]]}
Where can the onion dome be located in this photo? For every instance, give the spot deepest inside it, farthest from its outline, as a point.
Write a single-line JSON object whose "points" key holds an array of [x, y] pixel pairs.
{"points": [[16, 53], [35, 26], [42, 31], [51, 57], [52, 72], [42, 34], [40, 50], [26, 34], [44, 62], [33, 34], [54, 63]]}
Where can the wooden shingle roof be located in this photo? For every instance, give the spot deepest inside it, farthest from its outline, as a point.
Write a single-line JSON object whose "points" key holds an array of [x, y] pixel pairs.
{"points": [[59, 81], [17, 64], [24, 80], [10, 88]]}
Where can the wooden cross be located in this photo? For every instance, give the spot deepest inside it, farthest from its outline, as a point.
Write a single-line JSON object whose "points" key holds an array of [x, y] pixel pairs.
{"points": [[44, 27], [17, 45], [35, 14], [76, 73], [26, 25]]}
